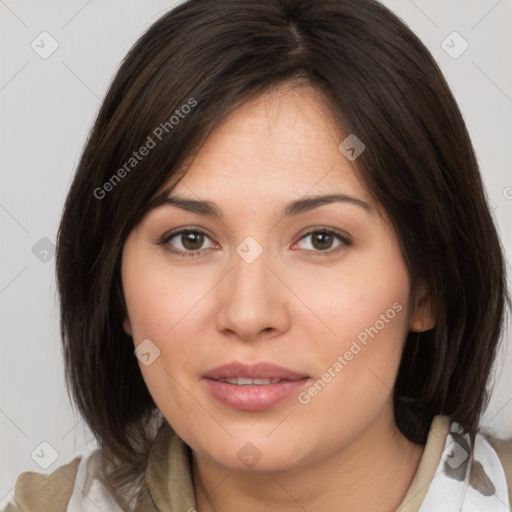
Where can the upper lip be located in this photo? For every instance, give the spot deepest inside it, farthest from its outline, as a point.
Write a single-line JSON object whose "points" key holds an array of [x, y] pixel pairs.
{"points": [[260, 370]]}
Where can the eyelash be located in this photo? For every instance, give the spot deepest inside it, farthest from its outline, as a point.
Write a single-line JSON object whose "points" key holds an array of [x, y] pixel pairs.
{"points": [[164, 241]]}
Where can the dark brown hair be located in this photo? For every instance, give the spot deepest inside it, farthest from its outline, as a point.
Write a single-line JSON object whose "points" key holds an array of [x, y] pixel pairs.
{"points": [[381, 84]]}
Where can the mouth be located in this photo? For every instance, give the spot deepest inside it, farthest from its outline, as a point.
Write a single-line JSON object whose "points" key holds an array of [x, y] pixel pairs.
{"points": [[253, 387]]}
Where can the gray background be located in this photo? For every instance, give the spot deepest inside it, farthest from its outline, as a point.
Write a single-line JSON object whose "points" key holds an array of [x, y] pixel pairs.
{"points": [[48, 106]]}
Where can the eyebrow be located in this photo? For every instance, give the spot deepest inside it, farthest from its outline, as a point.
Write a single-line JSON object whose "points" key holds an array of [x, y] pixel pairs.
{"points": [[297, 207]]}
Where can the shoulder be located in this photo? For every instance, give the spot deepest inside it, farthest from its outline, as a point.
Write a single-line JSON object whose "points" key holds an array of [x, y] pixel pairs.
{"points": [[503, 449], [38, 492]]}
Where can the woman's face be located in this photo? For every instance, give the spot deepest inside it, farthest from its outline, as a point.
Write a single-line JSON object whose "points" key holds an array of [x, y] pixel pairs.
{"points": [[265, 284]]}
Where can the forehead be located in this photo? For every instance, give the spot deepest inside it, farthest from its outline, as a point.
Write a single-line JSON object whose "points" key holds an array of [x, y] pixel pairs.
{"points": [[283, 143]]}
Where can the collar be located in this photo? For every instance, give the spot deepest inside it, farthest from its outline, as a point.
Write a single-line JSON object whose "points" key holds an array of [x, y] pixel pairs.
{"points": [[168, 478]]}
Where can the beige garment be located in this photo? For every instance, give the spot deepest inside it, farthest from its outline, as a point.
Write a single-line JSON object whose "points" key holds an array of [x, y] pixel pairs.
{"points": [[35, 492], [169, 478]]}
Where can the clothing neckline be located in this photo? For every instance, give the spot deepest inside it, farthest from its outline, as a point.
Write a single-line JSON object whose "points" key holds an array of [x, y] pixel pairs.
{"points": [[169, 483], [427, 466]]}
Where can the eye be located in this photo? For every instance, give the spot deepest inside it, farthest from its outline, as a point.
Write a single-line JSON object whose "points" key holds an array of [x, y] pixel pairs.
{"points": [[322, 240], [190, 240]]}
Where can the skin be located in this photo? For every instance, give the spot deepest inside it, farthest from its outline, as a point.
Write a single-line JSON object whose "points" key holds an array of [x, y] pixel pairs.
{"points": [[300, 304]]}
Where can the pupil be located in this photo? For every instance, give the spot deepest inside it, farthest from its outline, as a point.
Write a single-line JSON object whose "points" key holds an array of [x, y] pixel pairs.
{"points": [[323, 237]]}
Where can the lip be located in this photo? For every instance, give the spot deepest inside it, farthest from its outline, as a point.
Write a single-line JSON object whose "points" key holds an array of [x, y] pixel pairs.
{"points": [[253, 398], [260, 370]]}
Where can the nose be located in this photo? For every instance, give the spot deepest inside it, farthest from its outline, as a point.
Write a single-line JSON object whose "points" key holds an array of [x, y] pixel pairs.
{"points": [[252, 299]]}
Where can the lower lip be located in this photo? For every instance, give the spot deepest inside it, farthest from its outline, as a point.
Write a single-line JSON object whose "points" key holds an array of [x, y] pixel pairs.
{"points": [[254, 398]]}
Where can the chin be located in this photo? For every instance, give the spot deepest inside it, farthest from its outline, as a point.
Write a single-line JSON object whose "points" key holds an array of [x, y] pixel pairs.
{"points": [[257, 453]]}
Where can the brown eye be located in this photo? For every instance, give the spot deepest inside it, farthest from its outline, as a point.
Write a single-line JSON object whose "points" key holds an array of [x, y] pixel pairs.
{"points": [[192, 240], [186, 242], [322, 240]]}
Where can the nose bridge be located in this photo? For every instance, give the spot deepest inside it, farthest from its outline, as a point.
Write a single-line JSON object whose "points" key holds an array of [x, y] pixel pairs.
{"points": [[249, 277], [250, 299]]}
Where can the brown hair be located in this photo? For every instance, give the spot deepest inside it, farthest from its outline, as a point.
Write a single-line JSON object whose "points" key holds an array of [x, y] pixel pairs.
{"points": [[381, 84]]}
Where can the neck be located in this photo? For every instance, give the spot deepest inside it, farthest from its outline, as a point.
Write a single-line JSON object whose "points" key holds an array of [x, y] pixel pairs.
{"points": [[372, 472]]}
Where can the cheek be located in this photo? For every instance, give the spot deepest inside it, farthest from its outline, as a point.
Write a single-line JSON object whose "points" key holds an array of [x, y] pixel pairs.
{"points": [[364, 315], [161, 307], [159, 298], [166, 306], [366, 293]]}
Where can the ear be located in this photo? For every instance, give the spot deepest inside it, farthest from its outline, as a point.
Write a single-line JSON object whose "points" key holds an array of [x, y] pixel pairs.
{"points": [[127, 327], [422, 317]]}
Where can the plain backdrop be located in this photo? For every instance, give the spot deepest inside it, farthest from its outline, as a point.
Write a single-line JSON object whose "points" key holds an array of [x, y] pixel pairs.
{"points": [[47, 107]]}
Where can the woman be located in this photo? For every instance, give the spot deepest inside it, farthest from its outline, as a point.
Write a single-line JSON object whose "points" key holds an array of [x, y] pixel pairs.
{"points": [[280, 280]]}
